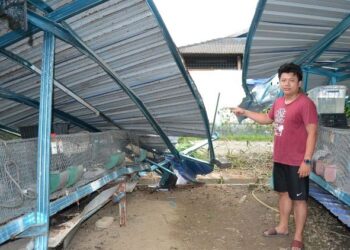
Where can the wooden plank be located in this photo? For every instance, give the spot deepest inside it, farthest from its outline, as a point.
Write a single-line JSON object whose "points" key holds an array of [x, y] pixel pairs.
{"points": [[67, 230]]}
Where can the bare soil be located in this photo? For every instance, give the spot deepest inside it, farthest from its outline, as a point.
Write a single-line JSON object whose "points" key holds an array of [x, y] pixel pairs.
{"points": [[222, 214], [205, 217]]}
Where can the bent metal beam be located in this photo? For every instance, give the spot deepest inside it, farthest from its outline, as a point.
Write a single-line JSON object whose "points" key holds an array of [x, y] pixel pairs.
{"points": [[46, 24]]}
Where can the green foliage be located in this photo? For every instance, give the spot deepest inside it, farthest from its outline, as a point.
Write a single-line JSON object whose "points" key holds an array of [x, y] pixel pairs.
{"points": [[201, 154], [347, 110], [186, 142], [246, 132], [248, 137]]}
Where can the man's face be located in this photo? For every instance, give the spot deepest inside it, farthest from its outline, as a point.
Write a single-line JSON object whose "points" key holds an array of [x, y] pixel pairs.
{"points": [[289, 83]]}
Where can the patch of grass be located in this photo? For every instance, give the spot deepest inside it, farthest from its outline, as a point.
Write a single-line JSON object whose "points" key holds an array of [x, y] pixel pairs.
{"points": [[247, 137], [259, 164], [186, 142], [246, 132], [201, 154]]}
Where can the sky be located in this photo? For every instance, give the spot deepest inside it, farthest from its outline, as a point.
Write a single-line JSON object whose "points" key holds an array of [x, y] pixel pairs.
{"points": [[195, 21]]}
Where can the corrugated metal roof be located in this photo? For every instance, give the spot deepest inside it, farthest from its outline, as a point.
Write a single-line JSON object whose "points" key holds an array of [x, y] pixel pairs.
{"points": [[125, 34], [285, 31], [225, 45]]}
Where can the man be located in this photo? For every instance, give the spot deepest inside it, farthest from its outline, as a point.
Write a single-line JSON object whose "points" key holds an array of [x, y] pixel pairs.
{"points": [[295, 131]]}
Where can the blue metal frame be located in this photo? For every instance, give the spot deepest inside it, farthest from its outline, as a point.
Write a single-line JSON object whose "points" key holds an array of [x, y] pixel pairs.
{"points": [[9, 130], [81, 192], [344, 197], [185, 74], [7, 94], [39, 220], [58, 15], [332, 203], [67, 36], [306, 79], [15, 227], [334, 76], [343, 59], [318, 48], [46, 8], [25, 226], [31, 67], [45, 114], [319, 71], [254, 25]]}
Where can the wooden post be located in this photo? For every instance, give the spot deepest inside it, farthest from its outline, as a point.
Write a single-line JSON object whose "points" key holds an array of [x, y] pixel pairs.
{"points": [[239, 63], [122, 202]]}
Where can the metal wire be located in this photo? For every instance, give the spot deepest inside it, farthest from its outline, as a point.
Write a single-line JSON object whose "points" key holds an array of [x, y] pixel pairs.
{"points": [[76, 159]]}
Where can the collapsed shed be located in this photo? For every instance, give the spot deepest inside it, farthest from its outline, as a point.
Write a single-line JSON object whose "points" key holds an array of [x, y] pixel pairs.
{"points": [[103, 84]]}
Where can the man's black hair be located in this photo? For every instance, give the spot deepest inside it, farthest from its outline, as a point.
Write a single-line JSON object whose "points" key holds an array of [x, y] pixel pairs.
{"points": [[291, 68]]}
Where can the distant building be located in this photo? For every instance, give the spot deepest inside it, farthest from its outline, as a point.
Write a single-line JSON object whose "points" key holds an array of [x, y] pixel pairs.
{"points": [[215, 67], [220, 53]]}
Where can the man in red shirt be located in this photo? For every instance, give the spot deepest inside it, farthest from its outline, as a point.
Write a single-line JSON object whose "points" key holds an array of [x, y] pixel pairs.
{"points": [[294, 119]]}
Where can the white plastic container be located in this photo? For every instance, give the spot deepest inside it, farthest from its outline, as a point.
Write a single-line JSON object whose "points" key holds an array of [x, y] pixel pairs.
{"points": [[329, 99]]}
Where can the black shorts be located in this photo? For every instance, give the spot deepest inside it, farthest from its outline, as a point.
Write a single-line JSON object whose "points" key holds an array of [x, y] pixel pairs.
{"points": [[286, 179]]}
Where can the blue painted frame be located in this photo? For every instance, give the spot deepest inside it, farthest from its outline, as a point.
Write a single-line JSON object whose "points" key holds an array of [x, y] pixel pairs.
{"points": [[254, 25], [7, 94], [186, 76], [325, 42], [51, 29], [9, 130], [63, 13], [25, 225], [31, 67], [69, 37], [344, 197], [15, 227], [44, 140]]}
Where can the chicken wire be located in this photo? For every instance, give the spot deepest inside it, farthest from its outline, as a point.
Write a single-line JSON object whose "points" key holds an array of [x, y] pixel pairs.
{"points": [[76, 160], [332, 157]]}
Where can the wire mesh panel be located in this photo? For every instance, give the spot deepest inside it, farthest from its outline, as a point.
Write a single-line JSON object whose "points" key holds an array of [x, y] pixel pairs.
{"points": [[17, 177], [332, 157], [76, 160]]}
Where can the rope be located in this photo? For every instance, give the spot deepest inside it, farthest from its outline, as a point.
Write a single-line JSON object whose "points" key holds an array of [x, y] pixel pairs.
{"points": [[263, 203]]}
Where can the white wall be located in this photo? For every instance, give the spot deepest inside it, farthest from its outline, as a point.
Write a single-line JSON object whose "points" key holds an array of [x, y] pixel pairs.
{"points": [[226, 82]]}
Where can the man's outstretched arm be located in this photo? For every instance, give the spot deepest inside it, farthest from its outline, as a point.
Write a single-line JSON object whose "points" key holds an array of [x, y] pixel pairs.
{"points": [[261, 118]]}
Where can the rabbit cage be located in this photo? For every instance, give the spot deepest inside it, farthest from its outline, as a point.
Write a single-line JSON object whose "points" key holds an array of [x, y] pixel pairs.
{"points": [[76, 159]]}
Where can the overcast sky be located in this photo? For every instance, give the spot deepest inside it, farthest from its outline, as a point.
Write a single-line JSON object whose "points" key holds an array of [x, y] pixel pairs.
{"points": [[193, 21]]}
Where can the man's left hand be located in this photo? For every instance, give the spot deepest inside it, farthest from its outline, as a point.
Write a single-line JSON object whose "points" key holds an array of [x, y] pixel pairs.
{"points": [[304, 170]]}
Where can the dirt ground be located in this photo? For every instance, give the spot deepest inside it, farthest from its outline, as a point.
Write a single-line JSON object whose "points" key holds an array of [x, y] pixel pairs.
{"points": [[230, 211], [205, 217], [223, 214]]}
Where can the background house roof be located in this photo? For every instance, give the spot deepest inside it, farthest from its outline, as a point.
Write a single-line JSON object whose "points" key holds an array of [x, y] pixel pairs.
{"points": [[233, 44]]}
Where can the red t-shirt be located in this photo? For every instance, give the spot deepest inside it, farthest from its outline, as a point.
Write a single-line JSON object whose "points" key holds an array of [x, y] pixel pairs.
{"points": [[290, 122]]}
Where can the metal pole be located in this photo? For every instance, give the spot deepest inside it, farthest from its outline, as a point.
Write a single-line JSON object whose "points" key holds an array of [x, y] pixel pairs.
{"points": [[43, 161], [216, 110], [306, 80]]}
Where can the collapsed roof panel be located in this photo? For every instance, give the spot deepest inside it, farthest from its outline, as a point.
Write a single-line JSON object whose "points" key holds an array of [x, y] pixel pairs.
{"points": [[128, 37], [314, 34]]}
